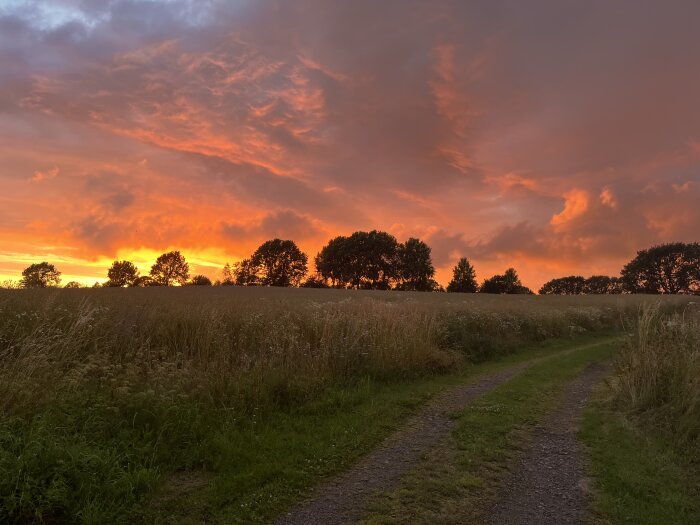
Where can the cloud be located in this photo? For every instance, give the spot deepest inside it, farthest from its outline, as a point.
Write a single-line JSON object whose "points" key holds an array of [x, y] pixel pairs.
{"points": [[285, 224], [575, 205], [211, 126], [40, 176]]}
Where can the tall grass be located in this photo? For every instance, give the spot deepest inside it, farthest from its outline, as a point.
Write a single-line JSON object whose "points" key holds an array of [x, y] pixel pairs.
{"points": [[105, 392], [658, 371]]}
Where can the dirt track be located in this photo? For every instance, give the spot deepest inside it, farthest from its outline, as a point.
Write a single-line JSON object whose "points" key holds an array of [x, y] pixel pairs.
{"points": [[342, 500], [548, 486]]}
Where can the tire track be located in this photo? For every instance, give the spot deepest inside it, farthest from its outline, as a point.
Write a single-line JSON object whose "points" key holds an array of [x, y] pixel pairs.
{"points": [[548, 486], [342, 500]]}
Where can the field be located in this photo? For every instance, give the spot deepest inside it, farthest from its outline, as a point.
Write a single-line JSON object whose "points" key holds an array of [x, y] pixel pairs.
{"points": [[228, 403]]}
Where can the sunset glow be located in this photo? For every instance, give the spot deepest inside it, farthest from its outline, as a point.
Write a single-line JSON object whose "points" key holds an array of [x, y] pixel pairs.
{"points": [[555, 137]]}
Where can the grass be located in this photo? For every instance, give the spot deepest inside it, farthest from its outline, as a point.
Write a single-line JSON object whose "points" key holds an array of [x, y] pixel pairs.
{"points": [[252, 468], [641, 477], [643, 431], [657, 373], [108, 397], [457, 481]]}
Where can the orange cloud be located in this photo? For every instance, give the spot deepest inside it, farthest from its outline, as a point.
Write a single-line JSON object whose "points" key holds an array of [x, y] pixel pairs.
{"points": [[40, 176], [209, 129], [607, 198], [575, 205]]}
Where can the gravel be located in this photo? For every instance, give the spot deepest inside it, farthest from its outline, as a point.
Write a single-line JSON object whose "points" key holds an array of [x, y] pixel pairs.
{"points": [[342, 500], [549, 485]]}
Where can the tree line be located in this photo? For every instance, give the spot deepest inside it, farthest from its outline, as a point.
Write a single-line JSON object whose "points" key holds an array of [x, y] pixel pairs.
{"points": [[375, 260], [672, 268]]}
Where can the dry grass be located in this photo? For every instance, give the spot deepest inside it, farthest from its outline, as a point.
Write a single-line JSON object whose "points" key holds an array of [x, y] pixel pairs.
{"points": [[658, 371], [241, 345]]}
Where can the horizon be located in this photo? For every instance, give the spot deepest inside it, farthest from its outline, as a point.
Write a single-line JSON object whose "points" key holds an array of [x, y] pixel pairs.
{"points": [[555, 139]]}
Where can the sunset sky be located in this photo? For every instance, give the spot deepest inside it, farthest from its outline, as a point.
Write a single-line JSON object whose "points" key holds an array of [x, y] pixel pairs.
{"points": [[558, 137]]}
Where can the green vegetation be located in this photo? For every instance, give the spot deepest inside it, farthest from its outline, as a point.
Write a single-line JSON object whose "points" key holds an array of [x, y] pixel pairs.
{"points": [[639, 476], [457, 480], [658, 371], [118, 403], [644, 430]]}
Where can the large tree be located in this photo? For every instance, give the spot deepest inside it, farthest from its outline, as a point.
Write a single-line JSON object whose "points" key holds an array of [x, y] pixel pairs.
{"points": [[416, 270], [279, 263], [334, 261], [170, 268], [463, 278], [508, 283], [668, 268], [40, 275], [571, 285], [122, 273], [367, 260]]}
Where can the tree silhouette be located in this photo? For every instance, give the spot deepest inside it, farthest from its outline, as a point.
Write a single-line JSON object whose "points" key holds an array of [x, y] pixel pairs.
{"points": [[508, 283], [314, 281], [279, 263], [40, 275], [333, 262], [228, 276], [200, 280], [602, 284], [122, 273], [143, 281], [668, 268], [244, 273], [571, 285], [170, 268], [73, 284], [416, 269], [367, 260], [463, 278]]}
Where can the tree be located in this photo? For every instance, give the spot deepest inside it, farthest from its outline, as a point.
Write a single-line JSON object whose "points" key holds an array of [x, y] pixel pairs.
{"points": [[244, 273], [314, 281], [333, 262], [122, 273], [170, 268], [572, 285], [200, 280], [668, 268], [463, 278], [508, 283], [73, 284], [40, 275], [143, 281], [228, 276], [602, 284], [415, 271], [367, 260], [279, 263]]}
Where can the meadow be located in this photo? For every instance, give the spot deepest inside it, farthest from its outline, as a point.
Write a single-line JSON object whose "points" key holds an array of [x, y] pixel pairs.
{"points": [[108, 395]]}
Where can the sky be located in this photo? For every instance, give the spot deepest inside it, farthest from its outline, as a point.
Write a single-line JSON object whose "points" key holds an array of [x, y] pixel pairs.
{"points": [[558, 137]]}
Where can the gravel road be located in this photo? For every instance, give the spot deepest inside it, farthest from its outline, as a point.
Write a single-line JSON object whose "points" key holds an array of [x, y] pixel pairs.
{"points": [[343, 499], [549, 485]]}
